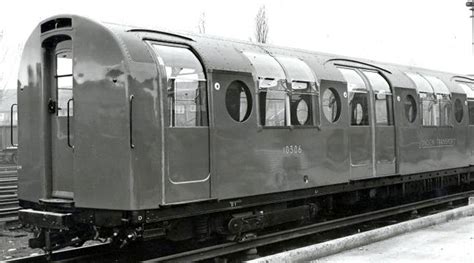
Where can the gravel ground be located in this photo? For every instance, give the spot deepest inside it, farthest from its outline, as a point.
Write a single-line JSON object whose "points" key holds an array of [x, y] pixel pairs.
{"points": [[14, 242]]}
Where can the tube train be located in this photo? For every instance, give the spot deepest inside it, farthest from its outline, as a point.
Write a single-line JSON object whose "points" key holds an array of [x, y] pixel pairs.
{"points": [[138, 134]]}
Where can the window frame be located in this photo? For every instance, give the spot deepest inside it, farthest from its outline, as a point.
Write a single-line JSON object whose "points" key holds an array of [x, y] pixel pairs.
{"points": [[338, 102], [367, 93], [311, 92], [470, 121], [285, 85], [249, 100], [57, 77], [169, 109], [436, 96], [390, 115]]}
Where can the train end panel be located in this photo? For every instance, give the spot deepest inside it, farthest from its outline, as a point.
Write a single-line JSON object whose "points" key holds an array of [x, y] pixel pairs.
{"points": [[74, 91]]}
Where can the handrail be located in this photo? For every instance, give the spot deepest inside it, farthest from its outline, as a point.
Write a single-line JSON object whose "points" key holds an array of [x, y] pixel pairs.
{"points": [[11, 124], [68, 124], [131, 120]]}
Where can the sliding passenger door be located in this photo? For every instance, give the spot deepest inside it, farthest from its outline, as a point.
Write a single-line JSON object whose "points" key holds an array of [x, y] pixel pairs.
{"points": [[185, 125], [371, 131], [383, 124], [360, 131]]}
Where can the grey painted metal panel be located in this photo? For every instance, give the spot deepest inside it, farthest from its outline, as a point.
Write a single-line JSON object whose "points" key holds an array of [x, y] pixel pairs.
{"points": [[385, 159], [360, 144], [32, 177], [62, 181], [187, 169], [146, 134], [269, 166], [104, 179]]}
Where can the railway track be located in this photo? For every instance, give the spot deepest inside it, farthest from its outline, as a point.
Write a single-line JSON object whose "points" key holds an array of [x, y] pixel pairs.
{"points": [[8, 194], [105, 251]]}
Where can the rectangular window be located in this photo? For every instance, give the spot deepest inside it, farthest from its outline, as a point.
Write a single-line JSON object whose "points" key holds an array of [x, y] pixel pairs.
{"points": [[445, 108], [470, 105], [382, 97], [383, 109], [273, 101], [64, 83], [429, 109], [187, 95], [302, 89]]}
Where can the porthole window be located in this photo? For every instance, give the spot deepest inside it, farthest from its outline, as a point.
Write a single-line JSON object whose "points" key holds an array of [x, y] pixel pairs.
{"points": [[410, 108], [358, 114], [458, 110], [301, 108], [302, 111], [238, 101], [331, 105]]}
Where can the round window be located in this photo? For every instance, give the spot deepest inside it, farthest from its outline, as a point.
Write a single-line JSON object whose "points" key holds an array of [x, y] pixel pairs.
{"points": [[358, 113], [458, 110], [238, 101], [410, 108], [302, 112], [331, 105]]}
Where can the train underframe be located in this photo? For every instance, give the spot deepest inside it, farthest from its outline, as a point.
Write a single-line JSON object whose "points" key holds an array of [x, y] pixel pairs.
{"points": [[59, 224]]}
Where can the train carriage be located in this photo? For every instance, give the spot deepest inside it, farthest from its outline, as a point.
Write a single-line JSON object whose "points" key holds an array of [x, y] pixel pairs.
{"points": [[141, 131]]}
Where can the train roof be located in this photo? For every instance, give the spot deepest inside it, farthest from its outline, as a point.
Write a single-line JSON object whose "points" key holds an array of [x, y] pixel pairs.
{"points": [[219, 53]]}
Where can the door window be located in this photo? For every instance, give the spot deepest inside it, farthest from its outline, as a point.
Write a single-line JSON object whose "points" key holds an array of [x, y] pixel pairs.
{"points": [[358, 100], [382, 98], [186, 89], [64, 83]]}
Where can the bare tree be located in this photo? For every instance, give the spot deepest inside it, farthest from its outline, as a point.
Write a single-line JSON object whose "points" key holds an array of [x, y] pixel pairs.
{"points": [[261, 25], [202, 23]]}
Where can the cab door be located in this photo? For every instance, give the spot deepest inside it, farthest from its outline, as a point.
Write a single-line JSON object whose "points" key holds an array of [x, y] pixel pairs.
{"points": [[60, 103], [185, 124]]}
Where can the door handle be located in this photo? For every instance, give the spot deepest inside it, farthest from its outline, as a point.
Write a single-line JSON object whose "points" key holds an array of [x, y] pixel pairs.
{"points": [[131, 120], [69, 124], [11, 124]]}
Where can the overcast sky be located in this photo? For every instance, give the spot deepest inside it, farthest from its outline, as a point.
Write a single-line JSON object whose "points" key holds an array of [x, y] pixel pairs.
{"points": [[435, 34]]}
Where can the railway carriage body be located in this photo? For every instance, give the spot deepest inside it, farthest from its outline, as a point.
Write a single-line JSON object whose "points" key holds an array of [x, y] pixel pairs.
{"points": [[143, 126]]}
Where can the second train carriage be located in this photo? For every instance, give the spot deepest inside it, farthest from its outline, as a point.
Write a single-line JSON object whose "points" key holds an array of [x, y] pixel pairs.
{"points": [[142, 126]]}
